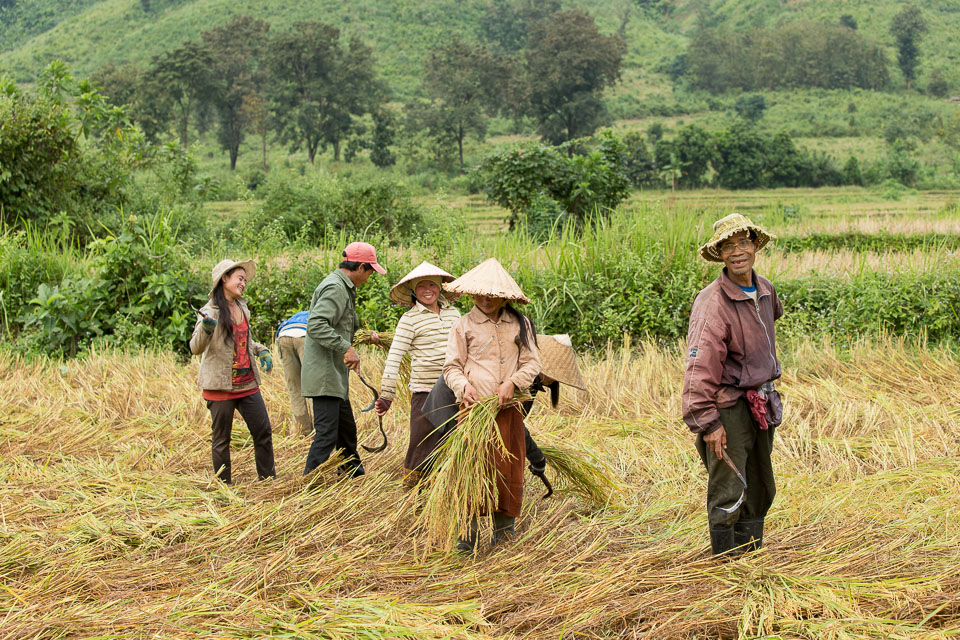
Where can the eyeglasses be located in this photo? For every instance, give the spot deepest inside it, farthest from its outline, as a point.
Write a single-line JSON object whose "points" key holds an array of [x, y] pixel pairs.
{"points": [[728, 247]]}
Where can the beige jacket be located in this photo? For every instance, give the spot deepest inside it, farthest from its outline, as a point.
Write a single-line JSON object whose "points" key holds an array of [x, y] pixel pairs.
{"points": [[487, 353], [216, 357]]}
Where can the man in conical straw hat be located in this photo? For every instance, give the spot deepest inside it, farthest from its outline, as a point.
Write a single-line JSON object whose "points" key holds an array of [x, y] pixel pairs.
{"points": [[421, 332], [729, 399], [492, 350]]}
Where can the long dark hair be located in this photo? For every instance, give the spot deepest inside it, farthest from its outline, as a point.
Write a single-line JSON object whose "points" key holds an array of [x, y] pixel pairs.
{"points": [[219, 299], [525, 334]]}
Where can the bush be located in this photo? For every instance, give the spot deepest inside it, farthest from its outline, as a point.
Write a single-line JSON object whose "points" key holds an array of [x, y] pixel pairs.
{"points": [[312, 207], [138, 291], [583, 186]]}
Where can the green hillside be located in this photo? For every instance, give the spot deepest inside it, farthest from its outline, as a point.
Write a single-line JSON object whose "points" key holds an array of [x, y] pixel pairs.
{"points": [[88, 33]]}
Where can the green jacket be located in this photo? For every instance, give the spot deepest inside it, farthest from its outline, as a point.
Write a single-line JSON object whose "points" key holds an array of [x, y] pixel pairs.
{"points": [[330, 328]]}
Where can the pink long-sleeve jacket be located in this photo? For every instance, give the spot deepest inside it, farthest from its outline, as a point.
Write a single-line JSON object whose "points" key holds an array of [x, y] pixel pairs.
{"points": [[731, 348]]}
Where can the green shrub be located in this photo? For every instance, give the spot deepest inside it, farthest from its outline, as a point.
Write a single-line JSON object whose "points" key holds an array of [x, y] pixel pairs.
{"points": [[138, 291], [313, 207], [583, 185]]}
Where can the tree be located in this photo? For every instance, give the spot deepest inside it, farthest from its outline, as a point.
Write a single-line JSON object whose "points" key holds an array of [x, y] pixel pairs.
{"points": [[750, 107], [237, 49], [740, 158], [316, 86], [937, 84], [848, 21], [693, 148], [358, 92], [383, 135], [461, 81], [506, 24], [908, 28], [187, 77], [567, 65], [255, 113], [146, 101]]}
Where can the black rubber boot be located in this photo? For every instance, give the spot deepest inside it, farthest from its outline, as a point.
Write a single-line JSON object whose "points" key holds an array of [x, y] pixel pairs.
{"points": [[748, 535], [503, 528], [467, 545], [722, 541]]}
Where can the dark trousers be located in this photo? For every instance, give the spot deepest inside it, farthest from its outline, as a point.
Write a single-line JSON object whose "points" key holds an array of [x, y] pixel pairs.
{"points": [[334, 428], [750, 449], [254, 413]]}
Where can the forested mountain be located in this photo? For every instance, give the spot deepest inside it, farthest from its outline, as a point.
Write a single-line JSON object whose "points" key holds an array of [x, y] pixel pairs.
{"points": [[86, 34]]}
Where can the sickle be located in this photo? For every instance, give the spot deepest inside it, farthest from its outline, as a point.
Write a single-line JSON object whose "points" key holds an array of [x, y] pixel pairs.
{"points": [[743, 494], [546, 483], [376, 394]]}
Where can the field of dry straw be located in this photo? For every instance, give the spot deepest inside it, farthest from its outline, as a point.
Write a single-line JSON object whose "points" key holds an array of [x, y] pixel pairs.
{"points": [[111, 527]]}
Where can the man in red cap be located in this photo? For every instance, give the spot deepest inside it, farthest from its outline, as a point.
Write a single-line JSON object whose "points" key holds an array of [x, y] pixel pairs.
{"points": [[328, 355]]}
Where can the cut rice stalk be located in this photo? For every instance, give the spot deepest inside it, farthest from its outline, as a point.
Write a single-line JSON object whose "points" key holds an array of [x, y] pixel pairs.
{"points": [[463, 481], [582, 473]]}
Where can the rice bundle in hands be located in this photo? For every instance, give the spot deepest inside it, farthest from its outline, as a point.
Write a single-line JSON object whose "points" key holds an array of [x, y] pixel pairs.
{"points": [[365, 336], [385, 339], [463, 478], [581, 473]]}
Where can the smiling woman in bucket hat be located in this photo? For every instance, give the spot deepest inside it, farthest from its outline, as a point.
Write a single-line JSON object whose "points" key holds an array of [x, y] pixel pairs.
{"points": [[729, 400], [229, 378]]}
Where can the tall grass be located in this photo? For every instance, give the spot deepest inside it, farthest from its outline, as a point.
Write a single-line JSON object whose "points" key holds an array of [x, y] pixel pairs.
{"points": [[112, 524]]}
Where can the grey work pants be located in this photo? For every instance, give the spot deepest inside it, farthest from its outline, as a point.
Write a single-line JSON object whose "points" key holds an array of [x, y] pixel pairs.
{"points": [[750, 448], [291, 357]]}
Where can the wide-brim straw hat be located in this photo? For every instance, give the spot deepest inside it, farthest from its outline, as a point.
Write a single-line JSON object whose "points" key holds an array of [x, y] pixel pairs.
{"points": [[728, 227], [250, 266], [558, 360], [488, 278], [402, 292]]}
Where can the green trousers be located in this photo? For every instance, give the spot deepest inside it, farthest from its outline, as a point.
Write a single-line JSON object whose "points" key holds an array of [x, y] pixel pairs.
{"points": [[749, 448]]}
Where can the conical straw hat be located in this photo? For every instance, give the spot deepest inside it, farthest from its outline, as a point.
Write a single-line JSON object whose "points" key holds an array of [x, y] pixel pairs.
{"points": [[558, 360], [730, 226], [402, 292], [488, 278]]}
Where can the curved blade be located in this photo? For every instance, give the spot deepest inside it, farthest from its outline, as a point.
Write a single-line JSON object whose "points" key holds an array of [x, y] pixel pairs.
{"points": [[376, 394], [546, 483], [380, 447], [743, 494]]}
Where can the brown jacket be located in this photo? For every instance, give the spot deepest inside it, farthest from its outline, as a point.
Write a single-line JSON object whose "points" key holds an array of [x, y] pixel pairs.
{"points": [[731, 348], [216, 361]]}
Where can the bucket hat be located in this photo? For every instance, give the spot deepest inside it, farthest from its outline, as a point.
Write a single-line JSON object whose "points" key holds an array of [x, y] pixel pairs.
{"points": [[488, 278], [402, 292], [730, 226], [250, 266]]}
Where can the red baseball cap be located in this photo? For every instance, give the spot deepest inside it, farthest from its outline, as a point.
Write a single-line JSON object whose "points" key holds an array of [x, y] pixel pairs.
{"points": [[363, 252]]}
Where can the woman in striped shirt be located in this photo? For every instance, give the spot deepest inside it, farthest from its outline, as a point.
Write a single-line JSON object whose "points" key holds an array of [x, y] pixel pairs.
{"points": [[421, 332]]}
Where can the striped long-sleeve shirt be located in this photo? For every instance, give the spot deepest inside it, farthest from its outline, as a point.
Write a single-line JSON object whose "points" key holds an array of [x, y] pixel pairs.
{"points": [[423, 334]]}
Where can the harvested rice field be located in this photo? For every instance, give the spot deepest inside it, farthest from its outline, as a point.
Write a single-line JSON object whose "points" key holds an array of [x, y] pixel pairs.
{"points": [[111, 526]]}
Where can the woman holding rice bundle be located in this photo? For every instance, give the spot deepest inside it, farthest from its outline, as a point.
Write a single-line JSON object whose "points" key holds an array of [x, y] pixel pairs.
{"points": [[422, 332], [228, 377], [492, 351]]}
